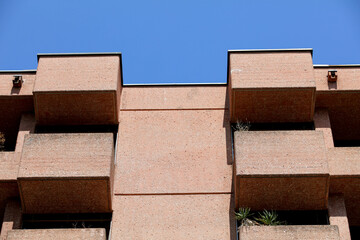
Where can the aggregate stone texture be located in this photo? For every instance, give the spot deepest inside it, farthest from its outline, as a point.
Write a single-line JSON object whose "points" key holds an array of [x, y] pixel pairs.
{"points": [[187, 151], [6, 84], [344, 112], [272, 87], [197, 216], [338, 216], [8, 189], [282, 170], [174, 97], [57, 234], [77, 90], [322, 123], [345, 179], [348, 78], [66, 173], [9, 166], [12, 218], [309, 232]]}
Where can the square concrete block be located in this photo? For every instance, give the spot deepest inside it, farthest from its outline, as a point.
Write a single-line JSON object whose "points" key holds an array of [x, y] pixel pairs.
{"points": [[66, 173], [77, 89], [308, 232], [281, 170], [271, 86], [57, 234], [174, 152], [185, 217], [344, 167]]}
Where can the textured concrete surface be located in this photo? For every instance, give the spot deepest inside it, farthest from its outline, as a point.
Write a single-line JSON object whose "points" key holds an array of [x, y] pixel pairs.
{"points": [[271, 86], [8, 189], [57, 234], [348, 78], [174, 152], [345, 179], [338, 217], [173, 217], [77, 90], [322, 123], [9, 165], [173, 97], [344, 112], [282, 170], [319, 232], [77, 73], [6, 84], [66, 173], [12, 218], [27, 126]]}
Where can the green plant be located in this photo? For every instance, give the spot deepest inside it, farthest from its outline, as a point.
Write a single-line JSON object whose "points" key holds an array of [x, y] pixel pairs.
{"points": [[241, 126], [2, 141], [243, 216], [268, 218]]}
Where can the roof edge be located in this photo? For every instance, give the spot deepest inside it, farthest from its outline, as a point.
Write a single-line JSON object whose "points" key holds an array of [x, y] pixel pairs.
{"points": [[335, 66], [19, 71], [79, 54], [272, 50]]}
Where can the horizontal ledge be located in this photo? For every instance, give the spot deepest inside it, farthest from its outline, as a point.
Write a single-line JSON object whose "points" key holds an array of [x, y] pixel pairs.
{"points": [[335, 66], [173, 84], [174, 109], [272, 50], [74, 91], [18, 71], [166, 194], [47, 178], [287, 175], [80, 54], [275, 89]]}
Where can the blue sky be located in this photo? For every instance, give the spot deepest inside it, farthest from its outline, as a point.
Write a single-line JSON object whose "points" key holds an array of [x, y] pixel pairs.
{"points": [[177, 41]]}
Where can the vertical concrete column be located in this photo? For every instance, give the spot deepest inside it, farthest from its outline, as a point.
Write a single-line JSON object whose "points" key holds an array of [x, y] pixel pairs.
{"points": [[27, 125], [322, 123], [12, 218], [337, 215]]}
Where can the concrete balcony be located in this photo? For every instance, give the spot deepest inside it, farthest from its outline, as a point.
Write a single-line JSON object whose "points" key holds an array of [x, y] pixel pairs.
{"points": [[281, 170], [344, 165], [66, 173], [78, 89], [271, 85], [58, 234], [308, 232]]}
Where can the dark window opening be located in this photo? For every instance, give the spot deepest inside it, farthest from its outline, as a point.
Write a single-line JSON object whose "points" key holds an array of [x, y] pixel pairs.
{"points": [[82, 220], [355, 232], [79, 129], [346, 143]]}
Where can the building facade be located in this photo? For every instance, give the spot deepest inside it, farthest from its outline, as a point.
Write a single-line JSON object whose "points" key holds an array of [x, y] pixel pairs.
{"points": [[84, 156]]}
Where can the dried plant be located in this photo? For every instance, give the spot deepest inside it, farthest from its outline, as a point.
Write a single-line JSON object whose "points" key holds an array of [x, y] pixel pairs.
{"points": [[241, 126], [2, 141]]}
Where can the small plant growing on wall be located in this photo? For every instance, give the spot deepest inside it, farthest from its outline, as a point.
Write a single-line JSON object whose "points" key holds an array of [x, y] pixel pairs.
{"points": [[246, 218], [2, 142], [241, 126]]}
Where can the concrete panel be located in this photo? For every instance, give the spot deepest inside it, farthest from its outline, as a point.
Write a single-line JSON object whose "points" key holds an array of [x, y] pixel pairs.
{"points": [[322, 124], [319, 232], [348, 78], [174, 97], [174, 152], [173, 217], [9, 165], [338, 216], [77, 90], [271, 86], [282, 170], [66, 173], [6, 84], [8, 189], [57, 234], [345, 178], [12, 218]]}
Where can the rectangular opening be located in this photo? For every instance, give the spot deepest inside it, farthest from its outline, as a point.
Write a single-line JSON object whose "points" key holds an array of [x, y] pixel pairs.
{"points": [[355, 232], [82, 220], [346, 143]]}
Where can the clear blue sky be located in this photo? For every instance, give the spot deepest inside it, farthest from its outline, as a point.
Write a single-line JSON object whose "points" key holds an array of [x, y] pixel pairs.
{"points": [[177, 41]]}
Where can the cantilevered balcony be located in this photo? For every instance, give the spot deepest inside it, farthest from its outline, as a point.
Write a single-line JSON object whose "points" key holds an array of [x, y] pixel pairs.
{"points": [[66, 173]]}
